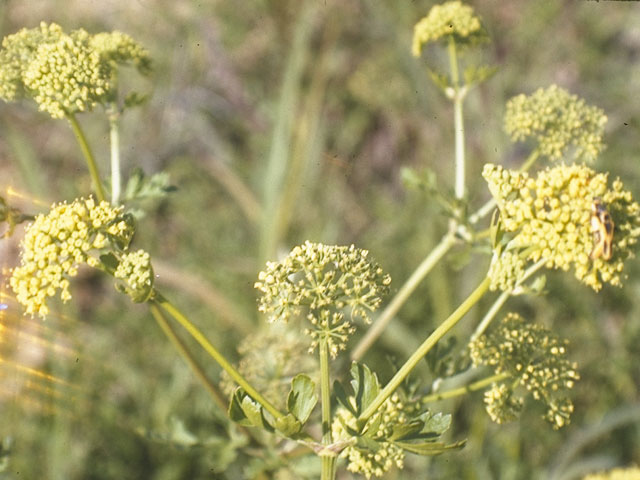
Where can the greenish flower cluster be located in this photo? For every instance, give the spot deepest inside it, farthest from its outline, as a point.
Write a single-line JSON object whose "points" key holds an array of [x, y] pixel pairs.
{"points": [[65, 73], [370, 461], [502, 404], [270, 358], [325, 280], [632, 473], [57, 243], [549, 218], [505, 270], [451, 19], [535, 359], [561, 124], [137, 274]]}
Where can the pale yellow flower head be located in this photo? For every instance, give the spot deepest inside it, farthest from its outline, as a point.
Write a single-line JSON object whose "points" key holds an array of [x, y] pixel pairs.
{"points": [[451, 19], [562, 125], [65, 73], [324, 282], [57, 243], [549, 217], [136, 274], [535, 359]]}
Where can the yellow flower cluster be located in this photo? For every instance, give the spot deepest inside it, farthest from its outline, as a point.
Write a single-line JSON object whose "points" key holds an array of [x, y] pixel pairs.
{"points": [[505, 270], [64, 73], [136, 271], [120, 48], [451, 19], [550, 218], [366, 461], [536, 359], [324, 280], [502, 404], [561, 124], [57, 243]]}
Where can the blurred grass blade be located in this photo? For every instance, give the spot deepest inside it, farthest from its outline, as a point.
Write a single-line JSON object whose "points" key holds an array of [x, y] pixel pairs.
{"points": [[27, 161], [287, 110]]}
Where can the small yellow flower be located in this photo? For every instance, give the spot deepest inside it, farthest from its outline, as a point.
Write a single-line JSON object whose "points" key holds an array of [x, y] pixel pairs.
{"points": [[451, 19]]}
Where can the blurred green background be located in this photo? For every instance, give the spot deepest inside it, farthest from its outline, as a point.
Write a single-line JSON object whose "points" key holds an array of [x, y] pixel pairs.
{"points": [[326, 95]]}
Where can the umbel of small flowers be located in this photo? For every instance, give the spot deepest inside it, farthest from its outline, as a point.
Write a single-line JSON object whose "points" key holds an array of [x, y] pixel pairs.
{"points": [[449, 20], [325, 282], [72, 234], [562, 125], [367, 461], [548, 218], [533, 358], [65, 73]]}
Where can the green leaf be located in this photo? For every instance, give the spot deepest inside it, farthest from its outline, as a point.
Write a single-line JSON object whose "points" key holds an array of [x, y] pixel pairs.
{"points": [[438, 423], [236, 413], [247, 412], [430, 448], [141, 187], [475, 75], [343, 398], [302, 397], [441, 81], [288, 425], [135, 99], [365, 386], [109, 263], [407, 431]]}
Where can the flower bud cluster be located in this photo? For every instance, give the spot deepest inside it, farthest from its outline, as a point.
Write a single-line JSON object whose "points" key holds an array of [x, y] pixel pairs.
{"points": [[535, 359], [451, 19], [558, 122], [270, 358], [57, 243], [550, 218], [324, 280], [64, 73], [367, 461], [137, 274]]}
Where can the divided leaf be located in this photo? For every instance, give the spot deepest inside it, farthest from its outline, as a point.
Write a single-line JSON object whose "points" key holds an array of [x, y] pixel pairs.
{"points": [[302, 397]]}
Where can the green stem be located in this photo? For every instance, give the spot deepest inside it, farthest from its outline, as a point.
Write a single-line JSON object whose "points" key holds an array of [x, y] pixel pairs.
{"points": [[114, 138], [325, 395], [472, 387], [186, 354], [88, 156], [458, 98], [426, 346], [199, 337], [403, 294], [504, 296]]}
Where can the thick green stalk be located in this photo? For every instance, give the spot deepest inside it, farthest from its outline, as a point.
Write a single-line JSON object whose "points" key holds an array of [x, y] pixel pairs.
{"points": [[472, 387], [114, 139], [325, 396], [199, 337], [403, 294], [426, 346], [458, 97], [88, 156], [186, 354]]}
